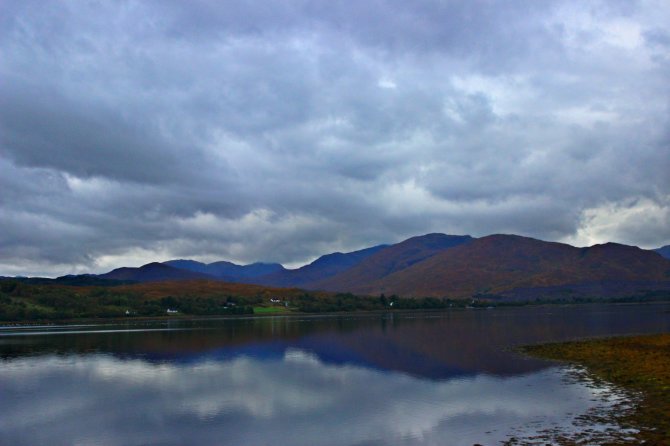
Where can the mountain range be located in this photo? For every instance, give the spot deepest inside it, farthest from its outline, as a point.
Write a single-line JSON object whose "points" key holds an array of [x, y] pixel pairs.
{"points": [[439, 265], [499, 263], [153, 272], [227, 270], [664, 251]]}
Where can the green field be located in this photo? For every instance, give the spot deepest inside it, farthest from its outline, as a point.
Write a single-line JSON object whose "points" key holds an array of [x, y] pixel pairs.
{"points": [[268, 310]]}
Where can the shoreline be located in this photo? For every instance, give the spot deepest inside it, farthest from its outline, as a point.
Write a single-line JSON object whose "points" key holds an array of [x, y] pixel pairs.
{"points": [[296, 313], [638, 364]]}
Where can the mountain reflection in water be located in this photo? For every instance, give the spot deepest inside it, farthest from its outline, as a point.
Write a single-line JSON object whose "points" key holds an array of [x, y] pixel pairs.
{"points": [[403, 378], [99, 399]]}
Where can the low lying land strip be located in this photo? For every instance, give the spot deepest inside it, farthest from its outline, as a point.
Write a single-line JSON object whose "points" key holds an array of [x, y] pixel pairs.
{"points": [[640, 364], [43, 300]]}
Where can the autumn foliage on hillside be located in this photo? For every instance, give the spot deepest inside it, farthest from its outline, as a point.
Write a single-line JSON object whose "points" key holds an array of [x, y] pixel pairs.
{"points": [[208, 288], [499, 263], [24, 301]]}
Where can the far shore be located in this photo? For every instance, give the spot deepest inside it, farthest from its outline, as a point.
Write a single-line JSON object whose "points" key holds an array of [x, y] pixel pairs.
{"points": [[296, 313]]}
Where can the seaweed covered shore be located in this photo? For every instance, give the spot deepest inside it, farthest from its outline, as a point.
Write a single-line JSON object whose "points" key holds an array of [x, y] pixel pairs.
{"points": [[639, 364]]}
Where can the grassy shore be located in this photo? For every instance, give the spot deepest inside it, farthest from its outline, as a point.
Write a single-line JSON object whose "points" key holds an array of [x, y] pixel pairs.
{"points": [[640, 364]]}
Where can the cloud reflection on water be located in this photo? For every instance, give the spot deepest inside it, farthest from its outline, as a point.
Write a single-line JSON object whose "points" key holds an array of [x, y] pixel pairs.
{"points": [[297, 400]]}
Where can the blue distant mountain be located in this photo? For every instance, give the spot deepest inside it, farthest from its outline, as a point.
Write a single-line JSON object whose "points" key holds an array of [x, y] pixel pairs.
{"points": [[322, 268], [154, 272], [376, 261], [664, 251], [228, 271], [190, 265]]}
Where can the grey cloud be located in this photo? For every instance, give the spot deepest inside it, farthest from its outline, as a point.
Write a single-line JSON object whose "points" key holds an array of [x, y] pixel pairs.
{"points": [[282, 131], [41, 129]]}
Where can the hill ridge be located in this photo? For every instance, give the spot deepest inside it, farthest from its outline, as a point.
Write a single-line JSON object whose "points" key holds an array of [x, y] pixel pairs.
{"points": [[499, 263]]}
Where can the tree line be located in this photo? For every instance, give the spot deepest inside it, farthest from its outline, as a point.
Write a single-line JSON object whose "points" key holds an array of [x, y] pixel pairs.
{"points": [[23, 301]]}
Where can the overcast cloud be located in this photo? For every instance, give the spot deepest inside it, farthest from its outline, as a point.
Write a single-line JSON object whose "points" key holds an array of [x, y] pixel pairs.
{"points": [[279, 131]]}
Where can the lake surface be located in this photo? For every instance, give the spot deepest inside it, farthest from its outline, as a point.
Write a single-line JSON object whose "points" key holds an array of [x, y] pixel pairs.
{"points": [[435, 378]]}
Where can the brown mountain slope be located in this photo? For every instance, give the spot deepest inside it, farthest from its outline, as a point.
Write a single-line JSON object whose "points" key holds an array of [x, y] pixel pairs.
{"points": [[389, 260], [500, 263], [209, 288]]}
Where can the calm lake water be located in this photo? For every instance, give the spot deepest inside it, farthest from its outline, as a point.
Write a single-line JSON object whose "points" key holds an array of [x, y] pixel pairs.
{"points": [[446, 378]]}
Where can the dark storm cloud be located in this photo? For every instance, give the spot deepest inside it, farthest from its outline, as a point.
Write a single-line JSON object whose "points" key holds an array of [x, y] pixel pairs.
{"points": [[132, 132]]}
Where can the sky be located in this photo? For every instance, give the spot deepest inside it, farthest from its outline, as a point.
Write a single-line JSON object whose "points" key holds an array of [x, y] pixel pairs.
{"points": [[279, 131]]}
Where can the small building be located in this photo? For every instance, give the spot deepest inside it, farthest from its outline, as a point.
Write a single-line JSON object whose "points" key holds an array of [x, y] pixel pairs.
{"points": [[171, 311], [275, 300]]}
